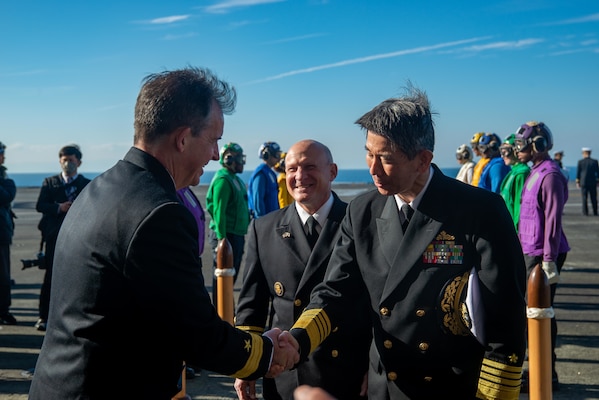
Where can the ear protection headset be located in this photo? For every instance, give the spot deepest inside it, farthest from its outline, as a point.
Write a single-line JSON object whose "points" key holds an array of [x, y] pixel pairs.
{"points": [[264, 154], [269, 149], [539, 144], [536, 134], [230, 153], [490, 142], [463, 152], [234, 158]]}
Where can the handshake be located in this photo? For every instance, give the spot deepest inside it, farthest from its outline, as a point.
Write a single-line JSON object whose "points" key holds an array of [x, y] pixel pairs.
{"points": [[285, 356], [285, 351]]}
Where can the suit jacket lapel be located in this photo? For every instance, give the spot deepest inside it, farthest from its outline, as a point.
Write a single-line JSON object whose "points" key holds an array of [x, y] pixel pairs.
{"points": [[291, 231], [403, 252]]}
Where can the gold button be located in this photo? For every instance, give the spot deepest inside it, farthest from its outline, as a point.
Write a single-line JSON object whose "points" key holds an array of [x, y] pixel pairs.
{"points": [[392, 376], [423, 346], [384, 311], [428, 378], [420, 313], [334, 353], [388, 344], [297, 302]]}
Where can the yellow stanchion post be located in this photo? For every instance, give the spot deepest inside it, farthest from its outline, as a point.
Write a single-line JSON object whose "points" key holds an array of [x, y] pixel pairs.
{"points": [[224, 273], [182, 395], [539, 313]]}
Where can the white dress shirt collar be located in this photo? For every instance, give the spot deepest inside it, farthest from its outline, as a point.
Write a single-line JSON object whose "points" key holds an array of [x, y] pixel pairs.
{"points": [[320, 216]]}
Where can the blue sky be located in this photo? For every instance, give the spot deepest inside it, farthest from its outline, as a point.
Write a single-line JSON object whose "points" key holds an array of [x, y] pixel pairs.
{"points": [[71, 70]]}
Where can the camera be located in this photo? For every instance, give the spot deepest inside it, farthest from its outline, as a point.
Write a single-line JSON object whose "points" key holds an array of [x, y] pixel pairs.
{"points": [[39, 261]]}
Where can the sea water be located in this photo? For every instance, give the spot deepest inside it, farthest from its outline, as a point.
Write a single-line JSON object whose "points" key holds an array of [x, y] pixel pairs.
{"points": [[355, 176]]}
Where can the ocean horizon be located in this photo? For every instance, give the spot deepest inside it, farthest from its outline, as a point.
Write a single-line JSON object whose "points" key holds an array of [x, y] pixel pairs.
{"points": [[344, 176]]}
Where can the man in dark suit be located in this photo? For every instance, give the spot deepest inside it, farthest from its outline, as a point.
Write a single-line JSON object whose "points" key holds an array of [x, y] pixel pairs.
{"points": [[442, 266], [8, 191], [282, 267], [128, 302], [587, 179], [54, 201]]}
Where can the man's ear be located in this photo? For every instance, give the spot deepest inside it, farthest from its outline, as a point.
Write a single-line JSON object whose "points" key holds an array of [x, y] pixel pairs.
{"points": [[181, 137], [425, 157]]}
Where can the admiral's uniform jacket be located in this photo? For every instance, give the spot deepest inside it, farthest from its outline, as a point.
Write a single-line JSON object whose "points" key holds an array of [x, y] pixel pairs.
{"points": [[128, 298], [422, 347], [281, 267]]}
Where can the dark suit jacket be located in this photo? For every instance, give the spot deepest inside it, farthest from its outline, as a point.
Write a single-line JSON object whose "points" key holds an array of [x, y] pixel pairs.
{"points": [[8, 191], [422, 347], [51, 194], [587, 172], [128, 298], [280, 266]]}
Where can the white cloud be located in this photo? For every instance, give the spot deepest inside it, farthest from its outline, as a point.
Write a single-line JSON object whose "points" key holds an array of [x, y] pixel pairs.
{"points": [[168, 20], [507, 45], [588, 42], [227, 5], [367, 59], [580, 20], [573, 51], [296, 38]]}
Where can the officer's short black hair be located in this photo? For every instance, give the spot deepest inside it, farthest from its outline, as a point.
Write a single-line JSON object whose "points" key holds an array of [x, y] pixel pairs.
{"points": [[70, 150]]}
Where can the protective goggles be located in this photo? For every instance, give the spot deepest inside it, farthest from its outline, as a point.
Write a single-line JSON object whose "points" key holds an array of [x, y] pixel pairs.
{"points": [[239, 159], [506, 150], [521, 144], [525, 131]]}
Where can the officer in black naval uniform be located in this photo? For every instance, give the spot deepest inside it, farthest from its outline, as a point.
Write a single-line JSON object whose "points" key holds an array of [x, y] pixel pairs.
{"points": [[447, 296], [281, 267]]}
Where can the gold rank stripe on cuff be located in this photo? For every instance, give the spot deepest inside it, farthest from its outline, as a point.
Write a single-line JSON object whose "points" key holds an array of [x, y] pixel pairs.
{"points": [[249, 328], [317, 325], [254, 345], [499, 381]]}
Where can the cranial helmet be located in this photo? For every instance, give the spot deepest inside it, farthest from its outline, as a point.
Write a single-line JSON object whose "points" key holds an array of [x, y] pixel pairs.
{"points": [[280, 165], [464, 152], [230, 153], [510, 140], [507, 147], [536, 134], [269, 149], [476, 138], [489, 143]]}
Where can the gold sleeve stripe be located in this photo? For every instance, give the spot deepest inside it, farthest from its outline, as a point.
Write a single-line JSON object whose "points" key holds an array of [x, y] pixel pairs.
{"points": [[255, 347], [499, 381], [250, 328], [317, 325]]}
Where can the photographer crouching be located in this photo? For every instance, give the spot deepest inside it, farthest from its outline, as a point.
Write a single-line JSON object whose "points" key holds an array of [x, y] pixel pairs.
{"points": [[56, 196]]}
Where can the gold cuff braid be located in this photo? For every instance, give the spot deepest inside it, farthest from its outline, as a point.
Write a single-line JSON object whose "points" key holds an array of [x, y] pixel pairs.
{"points": [[317, 325], [499, 381]]}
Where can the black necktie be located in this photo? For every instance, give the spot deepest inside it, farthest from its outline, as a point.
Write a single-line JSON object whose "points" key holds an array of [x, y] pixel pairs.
{"points": [[407, 213], [311, 231]]}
